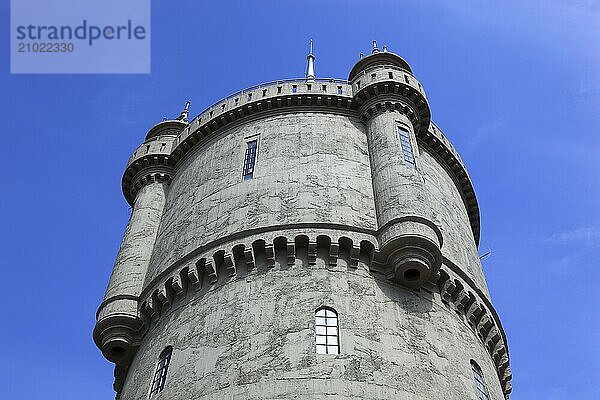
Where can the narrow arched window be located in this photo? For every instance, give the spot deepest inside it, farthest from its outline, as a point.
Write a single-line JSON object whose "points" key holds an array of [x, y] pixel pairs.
{"points": [[250, 159], [480, 388], [160, 375], [407, 150], [327, 337]]}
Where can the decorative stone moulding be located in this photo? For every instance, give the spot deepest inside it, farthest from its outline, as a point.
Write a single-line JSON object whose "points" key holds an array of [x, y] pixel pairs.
{"points": [[411, 251], [383, 87], [279, 95], [410, 260], [140, 175], [436, 143], [118, 332], [166, 128], [478, 312], [215, 265], [151, 161]]}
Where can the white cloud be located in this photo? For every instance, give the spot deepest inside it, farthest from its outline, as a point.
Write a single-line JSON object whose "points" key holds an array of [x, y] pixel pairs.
{"points": [[583, 236], [489, 129]]}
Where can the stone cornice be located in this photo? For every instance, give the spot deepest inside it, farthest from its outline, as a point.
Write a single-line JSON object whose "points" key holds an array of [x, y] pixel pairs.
{"points": [[321, 94], [387, 86], [386, 58], [436, 143], [150, 162], [218, 263], [480, 315], [150, 172]]}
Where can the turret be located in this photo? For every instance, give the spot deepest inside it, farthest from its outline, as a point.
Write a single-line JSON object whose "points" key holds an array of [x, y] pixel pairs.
{"points": [[119, 327], [394, 108]]}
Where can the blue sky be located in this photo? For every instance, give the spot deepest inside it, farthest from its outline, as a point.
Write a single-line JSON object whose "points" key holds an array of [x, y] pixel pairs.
{"points": [[515, 85]]}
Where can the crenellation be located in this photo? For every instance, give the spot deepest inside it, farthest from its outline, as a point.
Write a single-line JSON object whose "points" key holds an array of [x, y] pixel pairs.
{"points": [[151, 307], [249, 257], [229, 265], [291, 253], [464, 299], [493, 337], [447, 290], [354, 256], [269, 255], [333, 254]]}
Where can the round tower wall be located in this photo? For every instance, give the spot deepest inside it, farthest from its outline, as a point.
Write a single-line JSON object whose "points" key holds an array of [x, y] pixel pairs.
{"points": [[136, 249], [310, 168], [253, 338], [449, 213], [335, 214], [398, 186]]}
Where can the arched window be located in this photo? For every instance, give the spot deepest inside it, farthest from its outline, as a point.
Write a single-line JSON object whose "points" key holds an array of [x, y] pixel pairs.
{"points": [[250, 159], [480, 388], [160, 376], [407, 150], [327, 331]]}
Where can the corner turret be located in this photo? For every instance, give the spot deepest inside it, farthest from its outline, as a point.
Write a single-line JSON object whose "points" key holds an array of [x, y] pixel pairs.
{"points": [[119, 327], [394, 107]]}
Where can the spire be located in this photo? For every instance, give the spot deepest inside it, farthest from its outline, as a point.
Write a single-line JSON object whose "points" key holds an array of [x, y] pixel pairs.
{"points": [[375, 49], [185, 113], [310, 68]]}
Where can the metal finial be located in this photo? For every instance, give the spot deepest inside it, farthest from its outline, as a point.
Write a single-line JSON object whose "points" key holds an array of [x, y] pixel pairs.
{"points": [[310, 67], [185, 113], [361, 55], [384, 48], [375, 49]]}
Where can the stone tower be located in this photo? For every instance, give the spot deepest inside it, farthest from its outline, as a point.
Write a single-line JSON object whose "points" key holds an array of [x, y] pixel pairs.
{"points": [[303, 239]]}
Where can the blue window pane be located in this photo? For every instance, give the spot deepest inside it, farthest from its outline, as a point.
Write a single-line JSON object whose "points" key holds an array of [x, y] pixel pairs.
{"points": [[249, 160], [407, 152], [480, 387], [160, 375]]}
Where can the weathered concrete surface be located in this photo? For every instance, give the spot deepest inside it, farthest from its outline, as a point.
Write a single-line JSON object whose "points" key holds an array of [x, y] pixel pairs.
{"points": [[138, 242], [310, 168], [448, 212], [231, 272], [253, 338]]}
